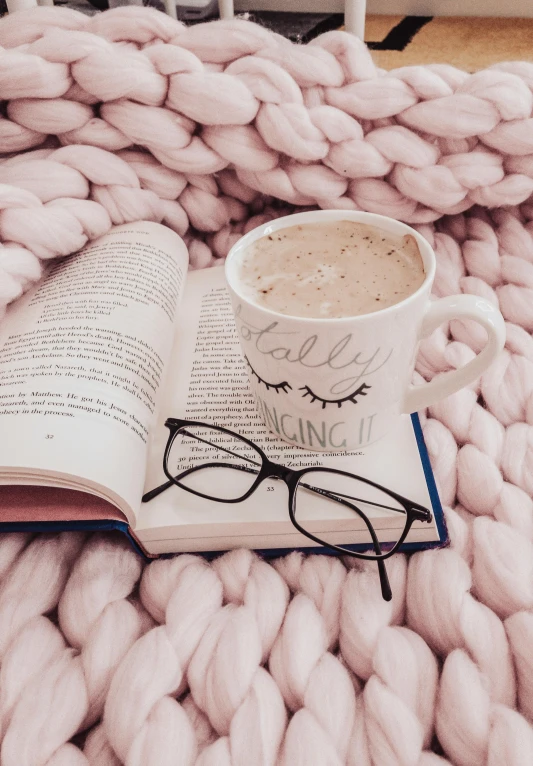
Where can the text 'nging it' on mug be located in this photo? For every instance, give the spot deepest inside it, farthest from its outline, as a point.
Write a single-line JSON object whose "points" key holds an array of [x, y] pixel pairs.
{"points": [[336, 384]]}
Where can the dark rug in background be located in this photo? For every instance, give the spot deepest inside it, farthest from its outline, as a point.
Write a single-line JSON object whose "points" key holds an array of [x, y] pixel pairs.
{"points": [[298, 27]]}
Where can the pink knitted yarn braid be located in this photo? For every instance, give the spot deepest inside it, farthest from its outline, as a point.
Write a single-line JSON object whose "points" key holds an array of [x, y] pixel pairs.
{"points": [[300, 661], [94, 618], [212, 130], [310, 125]]}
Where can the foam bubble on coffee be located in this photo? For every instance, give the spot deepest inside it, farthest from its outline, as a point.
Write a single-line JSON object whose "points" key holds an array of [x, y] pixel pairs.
{"points": [[330, 269]]}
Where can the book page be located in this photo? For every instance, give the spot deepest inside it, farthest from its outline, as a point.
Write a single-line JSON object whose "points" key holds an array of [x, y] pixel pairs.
{"points": [[82, 357], [208, 382]]}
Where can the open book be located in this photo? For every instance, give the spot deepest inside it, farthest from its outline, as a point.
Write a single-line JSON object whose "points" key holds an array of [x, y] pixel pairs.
{"points": [[109, 344]]}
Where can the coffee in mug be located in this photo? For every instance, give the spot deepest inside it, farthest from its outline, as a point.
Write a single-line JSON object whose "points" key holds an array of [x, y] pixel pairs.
{"points": [[331, 269], [333, 372]]}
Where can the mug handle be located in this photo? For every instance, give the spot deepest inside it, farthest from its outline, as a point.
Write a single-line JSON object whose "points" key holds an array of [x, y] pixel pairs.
{"points": [[443, 310]]}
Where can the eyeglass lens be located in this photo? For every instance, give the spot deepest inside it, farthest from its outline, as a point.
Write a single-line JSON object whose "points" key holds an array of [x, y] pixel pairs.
{"points": [[215, 463]]}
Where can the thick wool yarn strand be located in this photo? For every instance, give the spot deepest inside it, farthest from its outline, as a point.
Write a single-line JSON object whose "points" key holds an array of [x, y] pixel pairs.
{"points": [[310, 125], [212, 130]]}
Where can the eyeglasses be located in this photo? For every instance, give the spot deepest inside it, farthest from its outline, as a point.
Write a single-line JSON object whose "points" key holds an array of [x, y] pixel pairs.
{"points": [[220, 465]]}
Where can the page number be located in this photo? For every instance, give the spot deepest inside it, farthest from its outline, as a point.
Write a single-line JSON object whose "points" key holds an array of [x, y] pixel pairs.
{"points": [[49, 436]]}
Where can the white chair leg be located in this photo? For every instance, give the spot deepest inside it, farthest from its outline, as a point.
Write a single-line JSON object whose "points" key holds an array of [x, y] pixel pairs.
{"points": [[225, 9], [170, 8], [20, 5], [354, 17]]}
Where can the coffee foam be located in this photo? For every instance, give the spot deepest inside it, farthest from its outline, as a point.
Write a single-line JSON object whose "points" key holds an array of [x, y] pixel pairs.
{"points": [[330, 269]]}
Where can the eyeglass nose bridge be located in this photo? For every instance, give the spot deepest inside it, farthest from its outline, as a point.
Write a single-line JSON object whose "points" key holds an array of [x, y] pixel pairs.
{"points": [[277, 471]]}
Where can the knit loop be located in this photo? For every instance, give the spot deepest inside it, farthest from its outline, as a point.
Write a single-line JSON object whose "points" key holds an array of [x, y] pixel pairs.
{"points": [[414, 143], [215, 129]]}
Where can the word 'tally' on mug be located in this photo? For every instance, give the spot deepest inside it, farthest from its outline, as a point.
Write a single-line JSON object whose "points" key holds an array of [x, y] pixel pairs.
{"points": [[336, 384]]}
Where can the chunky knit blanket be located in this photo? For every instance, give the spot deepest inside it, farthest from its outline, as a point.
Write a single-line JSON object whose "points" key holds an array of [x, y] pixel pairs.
{"points": [[129, 115]]}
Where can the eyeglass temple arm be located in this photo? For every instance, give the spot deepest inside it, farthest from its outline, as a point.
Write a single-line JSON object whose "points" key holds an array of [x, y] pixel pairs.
{"points": [[156, 491], [351, 497], [386, 590]]}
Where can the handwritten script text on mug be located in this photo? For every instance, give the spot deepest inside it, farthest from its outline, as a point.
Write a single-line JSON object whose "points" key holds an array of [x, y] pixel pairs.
{"points": [[267, 341]]}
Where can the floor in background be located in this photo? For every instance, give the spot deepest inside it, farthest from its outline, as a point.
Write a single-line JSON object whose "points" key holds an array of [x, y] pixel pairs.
{"points": [[298, 27], [467, 43]]}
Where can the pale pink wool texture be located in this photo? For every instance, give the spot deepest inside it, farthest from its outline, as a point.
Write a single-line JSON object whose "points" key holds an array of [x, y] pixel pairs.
{"points": [[296, 662]]}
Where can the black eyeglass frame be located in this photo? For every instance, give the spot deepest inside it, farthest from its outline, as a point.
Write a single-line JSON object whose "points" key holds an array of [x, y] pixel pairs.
{"points": [[292, 478]]}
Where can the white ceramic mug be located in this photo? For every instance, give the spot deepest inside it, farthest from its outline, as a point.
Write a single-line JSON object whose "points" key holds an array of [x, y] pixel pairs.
{"points": [[340, 383]]}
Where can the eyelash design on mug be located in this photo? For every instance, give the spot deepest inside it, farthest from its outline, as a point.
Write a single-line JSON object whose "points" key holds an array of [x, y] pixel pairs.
{"points": [[285, 386], [361, 391]]}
